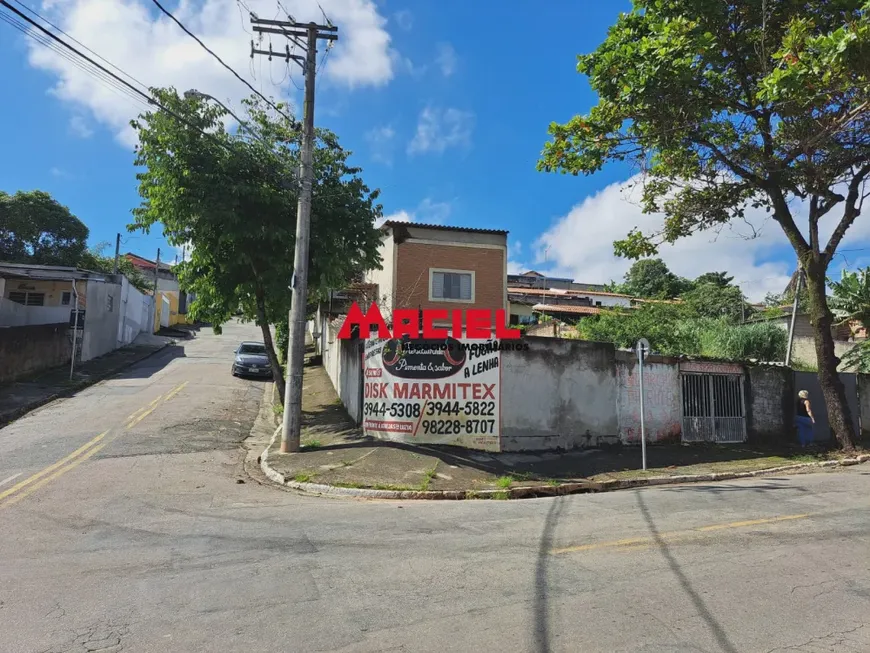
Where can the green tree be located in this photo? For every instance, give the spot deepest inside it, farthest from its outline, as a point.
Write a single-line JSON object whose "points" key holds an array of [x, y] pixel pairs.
{"points": [[35, 228], [651, 278], [720, 279], [95, 259], [234, 199], [709, 299], [731, 105]]}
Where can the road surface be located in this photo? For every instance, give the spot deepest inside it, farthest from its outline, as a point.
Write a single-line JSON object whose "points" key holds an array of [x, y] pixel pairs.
{"points": [[123, 528]]}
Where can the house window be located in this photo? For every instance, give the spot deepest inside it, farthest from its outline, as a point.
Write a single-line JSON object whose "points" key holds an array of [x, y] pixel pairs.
{"points": [[451, 285], [598, 303], [110, 303], [28, 298], [65, 298]]}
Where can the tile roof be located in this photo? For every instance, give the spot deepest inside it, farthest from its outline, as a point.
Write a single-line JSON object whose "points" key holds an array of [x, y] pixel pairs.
{"points": [[578, 310], [565, 293], [442, 227]]}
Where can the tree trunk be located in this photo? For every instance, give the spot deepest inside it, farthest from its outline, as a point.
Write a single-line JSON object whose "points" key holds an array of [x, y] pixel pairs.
{"points": [[277, 372], [839, 415]]}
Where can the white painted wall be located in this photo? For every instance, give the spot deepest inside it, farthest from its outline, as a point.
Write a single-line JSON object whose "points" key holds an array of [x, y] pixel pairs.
{"points": [[605, 300], [136, 313], [13, 314], [384, 278], [100, 334]]}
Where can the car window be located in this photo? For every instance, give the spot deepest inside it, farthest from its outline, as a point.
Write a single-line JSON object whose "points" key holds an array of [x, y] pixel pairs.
{"points": [[252, 349]]}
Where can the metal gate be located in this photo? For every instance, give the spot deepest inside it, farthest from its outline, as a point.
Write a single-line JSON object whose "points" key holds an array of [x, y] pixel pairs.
{"points": [[713, 408]]}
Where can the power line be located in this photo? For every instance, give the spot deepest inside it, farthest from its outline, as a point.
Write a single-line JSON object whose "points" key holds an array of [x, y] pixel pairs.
{"points": [[221, 61], [74, 40], [103, 69]]}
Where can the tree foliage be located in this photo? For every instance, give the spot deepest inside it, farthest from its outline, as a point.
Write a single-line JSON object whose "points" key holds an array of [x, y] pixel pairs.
{"points": [[730, 105], [35, 228], [95, 259], [851, 301], [709, 299], [651, 278], [234, 199], [675, 330]]}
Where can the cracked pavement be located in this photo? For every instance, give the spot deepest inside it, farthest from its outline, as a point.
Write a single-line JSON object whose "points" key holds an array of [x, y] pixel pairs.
{"points": [[151, 544]]}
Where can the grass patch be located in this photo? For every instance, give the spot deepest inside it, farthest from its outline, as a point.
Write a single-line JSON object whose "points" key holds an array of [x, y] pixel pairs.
{"points": [[501, 495], [394, 488], [472, 494], [302, 478], [311, 444], [429, 476], [278, 409], [504, 481]]}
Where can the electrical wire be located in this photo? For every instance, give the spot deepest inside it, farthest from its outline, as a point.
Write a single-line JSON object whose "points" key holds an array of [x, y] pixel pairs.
{"points": [[74, 40], [125, 84], [107, 81], [221, 61]]}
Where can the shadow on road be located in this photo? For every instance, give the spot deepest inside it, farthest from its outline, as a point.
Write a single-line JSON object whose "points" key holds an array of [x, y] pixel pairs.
{"points": [[541, 604], [725, 489], [714, 626], [153, 364]]}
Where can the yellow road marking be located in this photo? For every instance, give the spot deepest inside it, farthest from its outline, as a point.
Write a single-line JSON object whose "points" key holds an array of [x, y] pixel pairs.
{"points": [[48, 479], [53, 467], [136, 412], [159, 397], [139, 419], [751, 522], [176, 390], [639, 542]]}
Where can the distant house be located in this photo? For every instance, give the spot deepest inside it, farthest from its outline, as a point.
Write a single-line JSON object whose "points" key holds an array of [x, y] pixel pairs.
{"points": [[532, 279], [38, 311], [570, 305], [172, 302]]}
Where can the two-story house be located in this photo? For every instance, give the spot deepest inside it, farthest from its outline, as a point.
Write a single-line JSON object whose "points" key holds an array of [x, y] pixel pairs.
{"points": [[438, 267]]}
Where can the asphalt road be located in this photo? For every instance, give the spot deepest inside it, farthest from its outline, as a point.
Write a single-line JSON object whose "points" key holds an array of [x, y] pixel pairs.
{"points": [[145, 541]]}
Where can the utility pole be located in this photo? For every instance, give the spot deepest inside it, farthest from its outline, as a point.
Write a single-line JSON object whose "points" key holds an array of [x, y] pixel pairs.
{"points": [[156, 270], [117, 253], [794, 310], [311, 32]]}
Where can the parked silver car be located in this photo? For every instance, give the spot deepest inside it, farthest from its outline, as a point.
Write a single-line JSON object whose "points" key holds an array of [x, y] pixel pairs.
{"points": [[251, 360]]}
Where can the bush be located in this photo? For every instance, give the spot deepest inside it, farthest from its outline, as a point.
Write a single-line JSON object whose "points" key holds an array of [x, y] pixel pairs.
{"points": [[672, 330], [282, 339]]}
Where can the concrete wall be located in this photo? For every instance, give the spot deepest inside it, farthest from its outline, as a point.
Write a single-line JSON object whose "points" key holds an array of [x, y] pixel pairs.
{"points": [[136, 313], [342, 360], [804, 350], [661, 392], [770, 396], [26, 350], [385, 278], [560, 394], [102, 316], [864, 405]]}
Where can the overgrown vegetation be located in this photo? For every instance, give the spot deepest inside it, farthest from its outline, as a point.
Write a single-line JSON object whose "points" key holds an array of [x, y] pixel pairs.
{"points": [[674, 329]]}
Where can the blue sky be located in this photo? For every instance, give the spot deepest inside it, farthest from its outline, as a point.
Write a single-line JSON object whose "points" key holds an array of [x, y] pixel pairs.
{"points": [[444, 104]]}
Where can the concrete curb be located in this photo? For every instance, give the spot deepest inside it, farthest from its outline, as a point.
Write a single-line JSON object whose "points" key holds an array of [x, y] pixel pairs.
{"points": [[80, 385], [532, 491]]}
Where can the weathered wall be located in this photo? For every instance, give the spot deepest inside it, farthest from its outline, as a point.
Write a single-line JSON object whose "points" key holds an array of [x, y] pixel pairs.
{"points": [[770, 392], [559, 394], [342, 360], [864, 405], [136, 313], [26, 350], [102, 316], [661, 395], [804, 350]]}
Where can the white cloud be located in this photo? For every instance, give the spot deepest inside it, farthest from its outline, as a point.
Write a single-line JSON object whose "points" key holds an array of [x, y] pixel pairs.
{"points": [[147, 45], [581, 243], [440, 129], [404, 19], [427, 212], [380, 139], [79, 127], [60, 173], [398, 216], [446, 59]]}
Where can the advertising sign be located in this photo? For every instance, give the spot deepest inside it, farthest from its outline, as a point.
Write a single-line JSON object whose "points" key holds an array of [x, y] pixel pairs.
{"points": [[443, 391]]}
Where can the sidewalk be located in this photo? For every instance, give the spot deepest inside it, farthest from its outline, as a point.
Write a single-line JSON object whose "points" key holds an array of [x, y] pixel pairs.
{"points": [[336, 453], [20, 397]]}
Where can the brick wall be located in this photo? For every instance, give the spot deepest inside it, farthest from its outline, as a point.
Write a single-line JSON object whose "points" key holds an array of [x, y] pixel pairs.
{"points": [[412, 274]]}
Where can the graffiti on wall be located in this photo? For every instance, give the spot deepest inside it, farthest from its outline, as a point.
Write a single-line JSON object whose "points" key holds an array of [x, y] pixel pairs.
{"points": [[661, 395]]}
